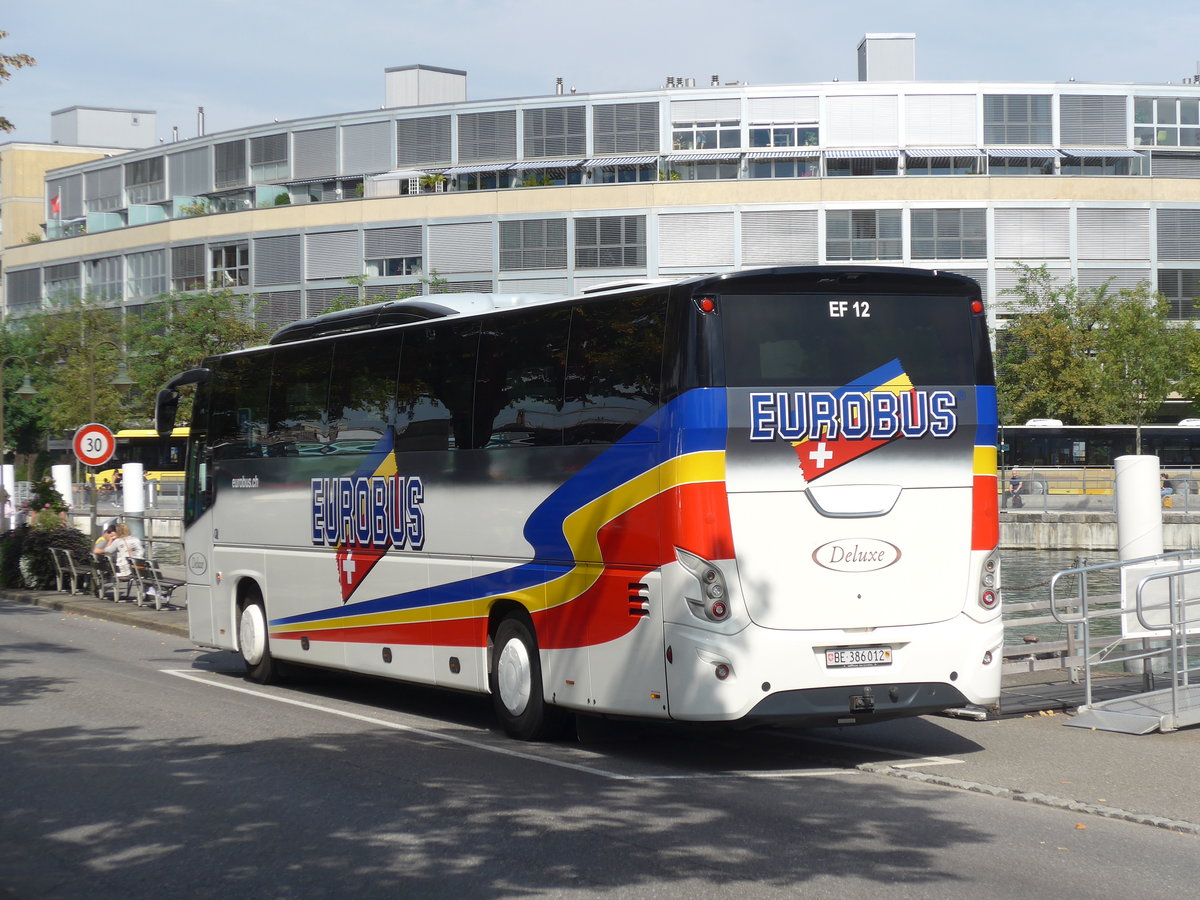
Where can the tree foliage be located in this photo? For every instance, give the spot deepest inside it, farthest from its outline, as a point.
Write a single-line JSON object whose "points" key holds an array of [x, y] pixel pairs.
{"points": [[8, 64], [1089, 356]]}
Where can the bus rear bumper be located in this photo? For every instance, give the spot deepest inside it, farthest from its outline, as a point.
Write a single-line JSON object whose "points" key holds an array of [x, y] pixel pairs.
{"points": [[854, 704]]}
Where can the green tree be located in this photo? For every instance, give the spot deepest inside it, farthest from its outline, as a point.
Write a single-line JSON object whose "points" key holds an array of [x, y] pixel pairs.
{"points": [[1087, 356], [8, 64]]}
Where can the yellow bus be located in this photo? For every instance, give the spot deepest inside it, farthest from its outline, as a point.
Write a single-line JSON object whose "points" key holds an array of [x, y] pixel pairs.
{"points": [[162, 459]]}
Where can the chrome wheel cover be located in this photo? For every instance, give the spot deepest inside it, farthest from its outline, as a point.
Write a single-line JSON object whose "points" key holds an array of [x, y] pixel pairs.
{"points": [[514, 676]]}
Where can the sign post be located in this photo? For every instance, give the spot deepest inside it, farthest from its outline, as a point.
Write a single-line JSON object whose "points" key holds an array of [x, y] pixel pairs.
{"points": [[94, 445]]}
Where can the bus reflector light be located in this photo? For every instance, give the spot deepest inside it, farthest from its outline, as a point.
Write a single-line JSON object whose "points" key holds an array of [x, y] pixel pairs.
{"points": [[987, 658], [706, 305], [988, 599], [722, 671], [719, 609], [976, 306]]}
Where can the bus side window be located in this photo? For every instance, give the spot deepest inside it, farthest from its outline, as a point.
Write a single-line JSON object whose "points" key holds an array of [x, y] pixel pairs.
{"points": [[362, 393], [299, 416], [436, 386], [520, 379], [614, 367]]}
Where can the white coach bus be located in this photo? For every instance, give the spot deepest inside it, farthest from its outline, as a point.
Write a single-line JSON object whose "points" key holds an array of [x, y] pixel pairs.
{"points": [[767, 496]]}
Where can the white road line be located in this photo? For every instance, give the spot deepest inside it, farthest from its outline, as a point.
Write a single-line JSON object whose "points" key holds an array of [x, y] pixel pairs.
{"points": [[209, 681]]}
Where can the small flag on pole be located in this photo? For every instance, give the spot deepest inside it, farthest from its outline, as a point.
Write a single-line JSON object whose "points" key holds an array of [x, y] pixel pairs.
{"points": [[56, 203]]}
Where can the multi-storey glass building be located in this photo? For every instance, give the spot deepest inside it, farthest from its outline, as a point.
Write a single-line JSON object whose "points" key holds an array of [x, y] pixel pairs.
{"points": [[559, 192]]}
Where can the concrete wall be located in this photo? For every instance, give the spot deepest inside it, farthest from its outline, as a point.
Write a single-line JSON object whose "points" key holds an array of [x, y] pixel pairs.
{"points": [[1087, 531]]}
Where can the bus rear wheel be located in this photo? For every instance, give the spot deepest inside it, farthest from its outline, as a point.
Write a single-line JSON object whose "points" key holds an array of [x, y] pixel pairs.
{"points": [[516, 684], [254, 642]]}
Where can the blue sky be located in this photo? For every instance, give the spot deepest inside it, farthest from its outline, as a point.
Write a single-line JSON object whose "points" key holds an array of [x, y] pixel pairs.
{"points": [[251, 61]]}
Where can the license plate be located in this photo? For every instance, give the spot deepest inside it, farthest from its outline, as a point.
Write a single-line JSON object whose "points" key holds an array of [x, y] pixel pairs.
{"points": [[847, 657]]}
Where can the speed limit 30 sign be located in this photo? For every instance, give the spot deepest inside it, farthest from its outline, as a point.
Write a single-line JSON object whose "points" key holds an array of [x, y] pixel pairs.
{"points": [[94, 445]]}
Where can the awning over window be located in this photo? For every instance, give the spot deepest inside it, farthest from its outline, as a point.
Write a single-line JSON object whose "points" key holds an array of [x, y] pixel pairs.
{"points": [[862, 154], [530, 165], [621, 161], [1020, 152], [931, 153], [1110, 152], [705, 156], [471, 170], [783, 153]]}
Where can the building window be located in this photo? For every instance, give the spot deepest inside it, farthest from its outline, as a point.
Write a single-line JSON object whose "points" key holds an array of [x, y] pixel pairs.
{"points": [[62, 281], [230, 265], [1166, 122], [1181, 287], [784, 135], [942, 165], [533, 244], [187, 268], [1016, 119], [862, 234], [610, 242], [805, 167], [838, 167], [1020, 165], [706, 135], [949, 234], [269, 158], [104, 281], [1103, 165], [145, 181], [483, 181], [146, 273], [624, 174], [229, 164], [547, 177], [625, 128], [704, 170], [558, 131]]}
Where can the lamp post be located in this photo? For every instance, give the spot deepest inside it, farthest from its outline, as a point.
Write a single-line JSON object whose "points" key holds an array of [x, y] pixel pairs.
{"points": [[26, 390], [122, 382]]}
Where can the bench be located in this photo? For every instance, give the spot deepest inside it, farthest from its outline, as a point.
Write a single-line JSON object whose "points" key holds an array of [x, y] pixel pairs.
{"points": [[151, 583]]}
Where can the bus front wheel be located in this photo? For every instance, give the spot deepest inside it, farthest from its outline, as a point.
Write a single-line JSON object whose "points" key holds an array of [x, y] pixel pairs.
{"points": [[516, 684], [254, 643]]}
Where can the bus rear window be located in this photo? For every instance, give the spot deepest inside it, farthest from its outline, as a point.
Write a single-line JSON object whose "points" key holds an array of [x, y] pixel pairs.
{"points": [[823, 340]]}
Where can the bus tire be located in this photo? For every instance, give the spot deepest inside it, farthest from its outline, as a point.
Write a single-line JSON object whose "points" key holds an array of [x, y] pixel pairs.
{"points": [[254, 643], [516, 684]]}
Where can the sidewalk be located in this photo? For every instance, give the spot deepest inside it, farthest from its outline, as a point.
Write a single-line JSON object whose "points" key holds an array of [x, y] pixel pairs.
{"points": [[168, 620]]}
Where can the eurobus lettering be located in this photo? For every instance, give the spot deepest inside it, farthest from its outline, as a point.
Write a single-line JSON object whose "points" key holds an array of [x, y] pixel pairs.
{"points": [[736, 498]]}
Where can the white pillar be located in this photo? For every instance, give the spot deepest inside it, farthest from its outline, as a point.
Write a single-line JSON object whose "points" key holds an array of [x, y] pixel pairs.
{"points": [[133, 497], [61, 475], [8, 477], [1139, 507]]}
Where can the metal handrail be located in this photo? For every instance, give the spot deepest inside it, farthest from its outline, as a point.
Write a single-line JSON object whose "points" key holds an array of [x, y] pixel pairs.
{"points": [[1177, 609]]}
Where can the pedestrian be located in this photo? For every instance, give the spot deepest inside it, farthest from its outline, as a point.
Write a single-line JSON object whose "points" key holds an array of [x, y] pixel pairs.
{"points": [[123, 546], [1015, 485], [102, 542], [1165, 491]]}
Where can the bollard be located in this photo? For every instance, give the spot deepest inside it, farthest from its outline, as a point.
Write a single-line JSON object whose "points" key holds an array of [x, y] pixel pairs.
{"points": [[61, 476], [8, 512], [133, 498], [1139, 533]]}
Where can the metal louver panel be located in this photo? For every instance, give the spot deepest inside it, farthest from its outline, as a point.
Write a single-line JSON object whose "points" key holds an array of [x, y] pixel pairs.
{"points": [[332, 254], [487, 135], [188, 261], [1031, 234], [1174, 165], [1006, 303], [625, 128], [318, 300], [23, 289], [979, 275], [386, 243], [780, 237], [1088, 120], [366, 148], [229, 164], [465, 247], [705, 110], [1115, 278], [696, 239], [555, 131], [423, 142], [69, 191], [315, 152], [940, 119], [1022, 153], [862, 154], [783, 109], [277, 260], [278, 308], [555, 286], [483, 286], [862, 121], [190, 173], [1113, 234], [102, 189], [1179, 234]]}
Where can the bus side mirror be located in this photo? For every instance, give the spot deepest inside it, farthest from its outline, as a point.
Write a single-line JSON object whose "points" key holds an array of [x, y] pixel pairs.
{"points": [[165, 409]]}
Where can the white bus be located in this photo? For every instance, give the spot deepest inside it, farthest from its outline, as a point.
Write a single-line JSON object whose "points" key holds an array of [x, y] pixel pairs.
{"points": [[767, 496]]}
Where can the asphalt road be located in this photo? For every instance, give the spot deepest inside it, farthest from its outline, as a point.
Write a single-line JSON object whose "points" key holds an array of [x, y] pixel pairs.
{"points": [[134, 765]]}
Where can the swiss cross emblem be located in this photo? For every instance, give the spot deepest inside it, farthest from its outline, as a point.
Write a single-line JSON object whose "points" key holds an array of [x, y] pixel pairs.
{"points": [[353, 564]]}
